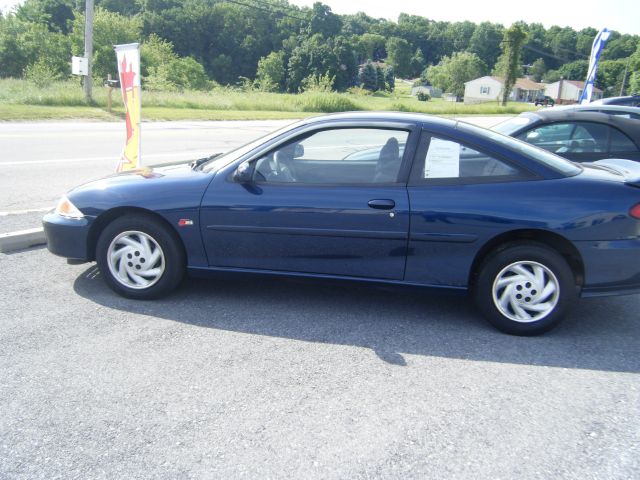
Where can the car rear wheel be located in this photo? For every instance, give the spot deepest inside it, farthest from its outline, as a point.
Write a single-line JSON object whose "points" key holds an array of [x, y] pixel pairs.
{"points": [[139, 257], [525, 288]]}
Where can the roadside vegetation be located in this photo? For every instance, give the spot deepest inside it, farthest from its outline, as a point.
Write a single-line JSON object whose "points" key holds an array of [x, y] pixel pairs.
{"points": [[25, 100]]}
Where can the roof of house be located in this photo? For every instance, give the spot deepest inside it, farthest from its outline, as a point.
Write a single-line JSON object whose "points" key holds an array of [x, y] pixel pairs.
{"points": [[521, 83], [581, 84], [526, 84]]}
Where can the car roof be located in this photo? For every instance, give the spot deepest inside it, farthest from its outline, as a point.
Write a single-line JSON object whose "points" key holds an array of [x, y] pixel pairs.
{"points": [[617, 100], [602, 108], [574, 115], [381, 116]]}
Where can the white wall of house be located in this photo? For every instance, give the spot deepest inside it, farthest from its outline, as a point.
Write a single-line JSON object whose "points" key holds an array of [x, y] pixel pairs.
{"points": [[483, 89], [570, 92]]}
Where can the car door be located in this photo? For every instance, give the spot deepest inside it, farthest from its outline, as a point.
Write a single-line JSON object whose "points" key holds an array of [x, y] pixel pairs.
{"points": [[331, 201], [453, 188]]}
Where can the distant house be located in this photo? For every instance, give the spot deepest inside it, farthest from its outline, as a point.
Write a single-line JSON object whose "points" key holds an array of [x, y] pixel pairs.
{"points": [[432, 91], [569, 91], [487, 89]]}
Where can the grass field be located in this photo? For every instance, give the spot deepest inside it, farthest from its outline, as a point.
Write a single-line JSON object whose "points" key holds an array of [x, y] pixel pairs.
{"points": [[22, 100]]}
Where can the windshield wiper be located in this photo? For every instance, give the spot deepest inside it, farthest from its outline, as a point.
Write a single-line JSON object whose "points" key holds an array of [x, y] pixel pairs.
{"points": [[200, 161]]}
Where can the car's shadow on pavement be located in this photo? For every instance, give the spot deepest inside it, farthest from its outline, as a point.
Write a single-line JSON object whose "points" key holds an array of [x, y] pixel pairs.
{"points": [[599, 334]]}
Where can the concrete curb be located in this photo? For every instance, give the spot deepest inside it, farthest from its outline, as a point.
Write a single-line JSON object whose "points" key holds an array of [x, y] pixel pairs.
{"points": [[12, 241]]}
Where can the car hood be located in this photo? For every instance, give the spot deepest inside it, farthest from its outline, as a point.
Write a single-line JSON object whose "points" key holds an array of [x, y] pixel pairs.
{"points": [[162, 187]]}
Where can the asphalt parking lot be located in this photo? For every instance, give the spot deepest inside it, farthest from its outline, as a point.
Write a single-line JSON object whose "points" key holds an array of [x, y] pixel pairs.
{"points": [[267, 378]]}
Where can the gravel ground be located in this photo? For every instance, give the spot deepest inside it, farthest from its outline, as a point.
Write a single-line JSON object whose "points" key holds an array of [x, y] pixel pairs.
{"points": [[265, 378]]}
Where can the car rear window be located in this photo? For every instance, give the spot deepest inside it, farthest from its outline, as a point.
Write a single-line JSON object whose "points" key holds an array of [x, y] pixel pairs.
{"points": [[555, 162]]}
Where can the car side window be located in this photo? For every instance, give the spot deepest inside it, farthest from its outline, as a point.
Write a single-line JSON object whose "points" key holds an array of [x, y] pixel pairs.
{"points": [[446, 160], [336, 156], [621, 143], [569, 137]]}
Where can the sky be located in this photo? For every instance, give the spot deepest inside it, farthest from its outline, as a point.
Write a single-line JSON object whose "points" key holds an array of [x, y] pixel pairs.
{"points": [[620, 15]]}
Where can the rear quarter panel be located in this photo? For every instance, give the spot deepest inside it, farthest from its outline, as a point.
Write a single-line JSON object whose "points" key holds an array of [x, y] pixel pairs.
{"points": [[451, 223]]}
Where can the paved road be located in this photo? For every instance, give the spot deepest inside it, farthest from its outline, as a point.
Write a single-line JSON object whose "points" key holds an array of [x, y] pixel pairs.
{"points": [[247, 378], [41, 161]]}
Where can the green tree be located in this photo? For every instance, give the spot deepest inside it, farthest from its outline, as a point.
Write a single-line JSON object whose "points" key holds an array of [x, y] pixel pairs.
{"points": [[55, 14], [389, 78], [370, 46], [485, 42], [584, 41], [551, 76], [538, 69], [162, 69], [514, 37], [324, 21], [452, 72], [609, 76], [368, 77], [619, 46], [24, 44], [501, 67], [399, 56], [380, 78], [271, 72], [417, 63], [562, 42], [123, 7], [574, 70], [634, 67]]}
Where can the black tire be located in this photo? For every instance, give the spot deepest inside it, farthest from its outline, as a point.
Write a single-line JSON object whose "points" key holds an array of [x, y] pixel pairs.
{"points": [[172, 263], [509, 268]]}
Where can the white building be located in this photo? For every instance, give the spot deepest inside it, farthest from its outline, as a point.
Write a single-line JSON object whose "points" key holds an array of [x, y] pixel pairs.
{"points": [[569, 91], [489, 89]]}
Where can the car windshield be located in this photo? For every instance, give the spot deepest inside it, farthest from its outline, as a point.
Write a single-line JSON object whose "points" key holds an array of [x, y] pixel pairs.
{"points": [[555, 162], [231, 156]]}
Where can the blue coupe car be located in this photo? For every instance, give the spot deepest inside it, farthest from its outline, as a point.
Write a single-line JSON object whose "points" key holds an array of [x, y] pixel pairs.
{"points": [[441, 204]]}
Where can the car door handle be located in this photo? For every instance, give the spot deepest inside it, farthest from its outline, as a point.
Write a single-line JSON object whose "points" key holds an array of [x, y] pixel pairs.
{"points": [[382, 203]]}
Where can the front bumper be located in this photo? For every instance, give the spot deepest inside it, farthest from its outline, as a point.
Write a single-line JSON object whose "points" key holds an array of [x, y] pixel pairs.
{"points": [[611, 267], [67, 237]]}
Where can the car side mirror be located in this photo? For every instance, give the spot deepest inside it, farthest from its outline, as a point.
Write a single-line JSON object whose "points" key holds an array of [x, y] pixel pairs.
{"points": [[298, 151], [244, 173]]}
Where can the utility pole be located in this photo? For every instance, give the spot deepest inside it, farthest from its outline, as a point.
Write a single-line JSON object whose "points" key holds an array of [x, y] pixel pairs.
{"points": [[624, 77], [88, 47]]}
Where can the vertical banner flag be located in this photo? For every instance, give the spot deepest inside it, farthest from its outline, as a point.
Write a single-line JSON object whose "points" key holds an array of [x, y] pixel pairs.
{"points": [[596, 49], [129, 71]]}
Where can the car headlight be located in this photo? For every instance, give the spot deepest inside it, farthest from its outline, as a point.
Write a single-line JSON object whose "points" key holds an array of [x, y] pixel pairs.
{"points": [[67, 209]]}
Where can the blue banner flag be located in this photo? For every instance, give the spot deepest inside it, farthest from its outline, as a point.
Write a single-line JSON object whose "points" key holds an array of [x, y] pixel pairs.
{"points": [[596, 49]]}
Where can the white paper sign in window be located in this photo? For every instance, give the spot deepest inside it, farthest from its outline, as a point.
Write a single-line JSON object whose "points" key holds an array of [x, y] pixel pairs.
{"points": [[443, 159]]}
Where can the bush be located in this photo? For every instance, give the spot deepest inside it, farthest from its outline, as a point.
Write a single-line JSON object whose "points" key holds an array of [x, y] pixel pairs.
{"points": [[41, 73], [271, 72], [163, 70], [423, 96], [359, 91], [318, 83], [326, 102]]}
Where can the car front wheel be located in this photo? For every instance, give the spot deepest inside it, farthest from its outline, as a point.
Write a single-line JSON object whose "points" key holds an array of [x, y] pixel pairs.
{"points": [[139, 257], [525, 289]]}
